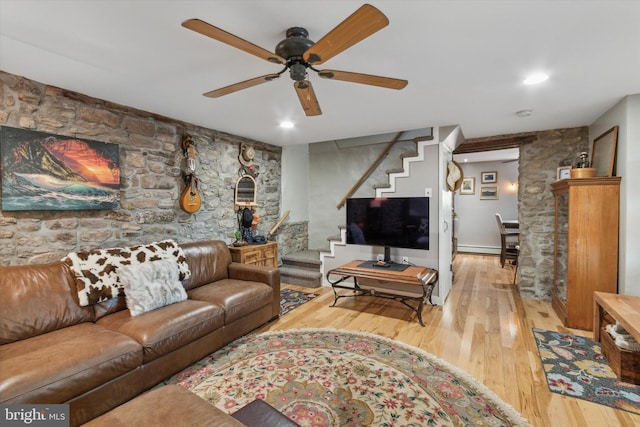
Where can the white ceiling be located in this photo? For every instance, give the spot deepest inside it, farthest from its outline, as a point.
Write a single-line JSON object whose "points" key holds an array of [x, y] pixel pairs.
{"points": [[464, 60]]}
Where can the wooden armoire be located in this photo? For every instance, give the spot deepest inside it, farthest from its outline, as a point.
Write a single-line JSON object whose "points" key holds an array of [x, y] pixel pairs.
{"points": [[585, 246]]}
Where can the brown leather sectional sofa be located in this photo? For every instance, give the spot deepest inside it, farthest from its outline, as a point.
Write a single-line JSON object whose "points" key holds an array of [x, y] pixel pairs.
{"points": [[52, 350]]}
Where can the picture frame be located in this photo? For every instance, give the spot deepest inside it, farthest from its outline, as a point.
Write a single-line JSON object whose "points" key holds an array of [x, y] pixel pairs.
{"points": [[489, 192], [468, 186], [603, 153], [563, 172], [489, 177], [48, 172]]}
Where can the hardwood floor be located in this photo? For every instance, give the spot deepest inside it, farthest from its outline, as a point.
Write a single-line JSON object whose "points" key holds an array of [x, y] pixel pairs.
{"points": [[483, 328]]}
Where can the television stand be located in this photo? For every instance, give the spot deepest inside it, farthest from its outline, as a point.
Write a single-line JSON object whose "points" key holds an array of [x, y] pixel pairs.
{"points": [[379, 282]]}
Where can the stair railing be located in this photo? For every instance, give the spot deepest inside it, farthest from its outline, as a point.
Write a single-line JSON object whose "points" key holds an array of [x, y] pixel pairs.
{"points": [[370, 170]]}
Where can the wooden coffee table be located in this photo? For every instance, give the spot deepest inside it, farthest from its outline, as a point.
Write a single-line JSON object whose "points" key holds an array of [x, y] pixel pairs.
{"points": [[421, 281]]}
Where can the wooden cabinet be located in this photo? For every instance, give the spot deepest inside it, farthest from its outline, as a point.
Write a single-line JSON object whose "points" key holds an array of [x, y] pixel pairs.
{"points": [[585, 246], [265, 254]]}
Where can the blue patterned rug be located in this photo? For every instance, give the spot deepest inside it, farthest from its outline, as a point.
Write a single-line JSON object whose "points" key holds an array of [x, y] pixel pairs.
{"points": [[575, 367], [290, 299]]}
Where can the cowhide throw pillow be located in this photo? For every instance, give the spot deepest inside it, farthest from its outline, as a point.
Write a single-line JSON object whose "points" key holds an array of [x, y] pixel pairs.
{"points": [[151, 285], [96, 271]]}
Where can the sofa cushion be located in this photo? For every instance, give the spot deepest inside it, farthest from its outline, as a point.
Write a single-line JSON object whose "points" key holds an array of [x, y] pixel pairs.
{"points": [[170, 405], [96, 271], [63, 364], [109, 306], [151, 285], [237, 297], [37, 299], [208, 261], [166, 329]]}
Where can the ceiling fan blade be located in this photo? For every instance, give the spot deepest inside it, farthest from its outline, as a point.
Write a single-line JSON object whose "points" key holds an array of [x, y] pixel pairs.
{"points": [[307, 98], [216, 33], [365, 79], [357, 27], [241, 85]]}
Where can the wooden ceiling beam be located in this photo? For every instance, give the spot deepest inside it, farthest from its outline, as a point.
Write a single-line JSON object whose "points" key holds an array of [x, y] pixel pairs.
{"points": [[478, 145]]}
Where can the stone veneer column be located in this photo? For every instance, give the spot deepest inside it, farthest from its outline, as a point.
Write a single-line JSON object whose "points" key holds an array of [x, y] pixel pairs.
{"points": [[536, 205]]}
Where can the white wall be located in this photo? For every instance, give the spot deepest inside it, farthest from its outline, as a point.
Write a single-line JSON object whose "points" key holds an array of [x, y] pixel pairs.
{"points": [[333, 170], [476, 226], [295, 182], [422, 175], [626, 115]]}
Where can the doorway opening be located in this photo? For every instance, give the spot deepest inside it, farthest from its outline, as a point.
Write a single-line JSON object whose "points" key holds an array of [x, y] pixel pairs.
{"points": [[490, 186]]}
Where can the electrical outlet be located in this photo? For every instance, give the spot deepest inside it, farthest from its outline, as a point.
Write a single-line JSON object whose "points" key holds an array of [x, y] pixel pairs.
{"points": [[380, 257], [405, 260]]}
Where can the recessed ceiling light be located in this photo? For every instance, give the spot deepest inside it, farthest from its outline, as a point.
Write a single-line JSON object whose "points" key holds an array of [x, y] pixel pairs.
{"points": [[524, 113], [534, 79], [286, 124]]}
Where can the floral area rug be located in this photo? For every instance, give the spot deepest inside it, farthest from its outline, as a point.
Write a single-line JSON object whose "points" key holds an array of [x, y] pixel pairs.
{"points": [[290, 299], [575, 366], [328, 377]]}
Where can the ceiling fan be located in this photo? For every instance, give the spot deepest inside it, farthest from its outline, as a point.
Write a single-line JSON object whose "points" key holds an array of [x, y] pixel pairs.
{"points": [[298, 54]]}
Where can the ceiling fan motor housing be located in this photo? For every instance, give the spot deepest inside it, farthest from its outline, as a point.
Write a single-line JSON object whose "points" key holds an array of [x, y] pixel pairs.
{"points": [[292, 48]]}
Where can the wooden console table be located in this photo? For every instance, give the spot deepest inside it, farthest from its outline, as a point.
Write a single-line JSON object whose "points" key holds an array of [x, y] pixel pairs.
{"points": [[420, 279]]}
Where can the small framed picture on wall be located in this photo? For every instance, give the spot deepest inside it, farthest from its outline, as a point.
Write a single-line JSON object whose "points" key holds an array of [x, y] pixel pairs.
{"points": [[489, 192], [489, 177], [468, 186], [563, 172]]}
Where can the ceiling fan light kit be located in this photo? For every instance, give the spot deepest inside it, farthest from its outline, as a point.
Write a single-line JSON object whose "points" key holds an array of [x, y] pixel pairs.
{"points": [[298, 54]]}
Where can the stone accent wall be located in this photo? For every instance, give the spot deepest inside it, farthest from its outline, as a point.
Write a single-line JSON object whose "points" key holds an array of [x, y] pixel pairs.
{"points": [[293, 237], [537, 170], [151, 163]]}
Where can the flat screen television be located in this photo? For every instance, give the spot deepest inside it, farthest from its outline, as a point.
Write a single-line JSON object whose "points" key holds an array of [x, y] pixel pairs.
{"points": [[399, 222]]}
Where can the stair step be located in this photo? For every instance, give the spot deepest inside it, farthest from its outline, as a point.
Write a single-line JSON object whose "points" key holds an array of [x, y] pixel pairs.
{"points": [[300, 277], [381, 186], [309, 259], [405, 155], [398, 170]]}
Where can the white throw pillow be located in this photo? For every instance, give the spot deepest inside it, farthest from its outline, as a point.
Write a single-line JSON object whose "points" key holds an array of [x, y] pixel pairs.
{"points": [[151, 285]]}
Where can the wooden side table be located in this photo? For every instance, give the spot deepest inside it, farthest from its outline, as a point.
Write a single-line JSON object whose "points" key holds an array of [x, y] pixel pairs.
{"points": [[625, 309], [265, 254]]}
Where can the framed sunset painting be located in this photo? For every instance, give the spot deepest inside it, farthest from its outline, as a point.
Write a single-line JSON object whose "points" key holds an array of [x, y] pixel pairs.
{"points": [[41, 171]]}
